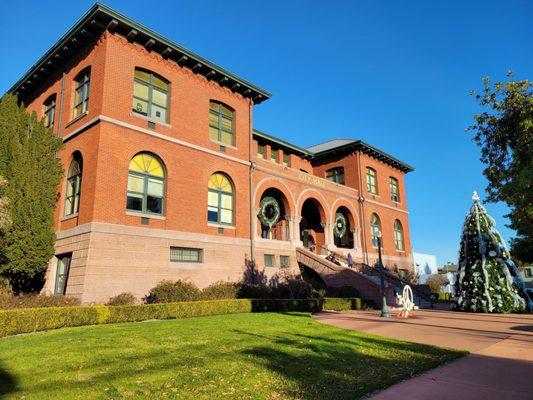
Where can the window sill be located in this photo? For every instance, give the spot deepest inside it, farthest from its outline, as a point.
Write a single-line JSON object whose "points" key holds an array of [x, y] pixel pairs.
{"points": [[229, 146], [76, 119], [67, 217], [144, 215], [155, 121], [213, 225]]}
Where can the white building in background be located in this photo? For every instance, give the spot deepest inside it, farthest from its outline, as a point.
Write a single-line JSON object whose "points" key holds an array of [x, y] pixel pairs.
{"points": [[449, 271], [425, 265]]}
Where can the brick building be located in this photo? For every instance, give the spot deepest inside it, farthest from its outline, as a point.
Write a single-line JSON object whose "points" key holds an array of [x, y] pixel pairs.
{"points": [[166, 178]]}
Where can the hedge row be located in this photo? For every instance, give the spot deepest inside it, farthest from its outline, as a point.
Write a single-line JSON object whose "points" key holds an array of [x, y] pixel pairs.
{"points": [[345, 304], [27, 320]]}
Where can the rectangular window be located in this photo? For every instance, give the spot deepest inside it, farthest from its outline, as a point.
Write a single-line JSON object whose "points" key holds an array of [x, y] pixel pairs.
{"points": [[186, 254], [49, 112], [287, 160], [63, 267], [261, 151], [394, 193], [274, 155], [336, 175], [81, 94], [528, 273], [221, 123], [269, 260], [284, 261], [371, 181]]}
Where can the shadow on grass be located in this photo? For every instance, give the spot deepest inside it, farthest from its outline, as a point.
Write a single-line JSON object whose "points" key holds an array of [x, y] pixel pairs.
{"points": [[8, 383], [343, 366]]}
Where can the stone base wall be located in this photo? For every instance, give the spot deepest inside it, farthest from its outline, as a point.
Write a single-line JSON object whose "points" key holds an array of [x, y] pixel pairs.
{"points": [[109, 259]]}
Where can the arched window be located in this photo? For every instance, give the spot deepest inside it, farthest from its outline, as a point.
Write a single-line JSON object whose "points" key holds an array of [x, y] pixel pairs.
{"points": [[394, 191], [335, 175], [81, 92], [49, 111], [150, 95], [146, 184], [221, 121], [220, 199], [398, 236], [375, 229], [72, 195], [371, 181]]}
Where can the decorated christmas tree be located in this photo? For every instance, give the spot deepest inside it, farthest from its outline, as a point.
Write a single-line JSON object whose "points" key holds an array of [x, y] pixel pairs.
{"points": [[488, 280]]}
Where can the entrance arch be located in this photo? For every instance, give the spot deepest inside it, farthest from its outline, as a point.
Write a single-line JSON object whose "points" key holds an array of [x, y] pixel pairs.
{"points": [[343, 228], [312, 232], [273, 206]]}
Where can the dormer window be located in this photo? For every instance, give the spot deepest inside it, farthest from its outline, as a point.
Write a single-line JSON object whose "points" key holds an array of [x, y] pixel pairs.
{"points": [[150, 95], [221, 120], [335, 175], [261, 151], [286, 159], [274, 155]]}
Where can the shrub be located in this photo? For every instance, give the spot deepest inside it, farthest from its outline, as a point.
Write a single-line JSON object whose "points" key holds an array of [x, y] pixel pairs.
{"points": [[27, 320], [220, 290], [122, 299], [294, 288], [247, 291], [169, 292], [285, 305], [342, 292], [9, 301]]}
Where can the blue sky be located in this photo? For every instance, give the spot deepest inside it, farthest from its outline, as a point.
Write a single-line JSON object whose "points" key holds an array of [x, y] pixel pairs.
{"points": [[395, 74]]}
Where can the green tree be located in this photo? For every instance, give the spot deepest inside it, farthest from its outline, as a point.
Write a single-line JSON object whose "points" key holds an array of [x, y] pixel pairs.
{"points": [[30, 172], [505, 134], [488, 281]]}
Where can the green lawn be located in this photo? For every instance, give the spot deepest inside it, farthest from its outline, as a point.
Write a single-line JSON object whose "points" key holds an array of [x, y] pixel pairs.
{"points": [[240, 356]]}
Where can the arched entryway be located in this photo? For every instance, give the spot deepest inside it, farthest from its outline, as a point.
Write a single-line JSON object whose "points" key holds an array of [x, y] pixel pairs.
{"points": [[311, 226], [343, 225], [273, 208]]}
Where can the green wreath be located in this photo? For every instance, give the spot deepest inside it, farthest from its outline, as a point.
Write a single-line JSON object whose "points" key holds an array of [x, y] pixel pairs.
{"points": [[340, 225], [269, 211]]}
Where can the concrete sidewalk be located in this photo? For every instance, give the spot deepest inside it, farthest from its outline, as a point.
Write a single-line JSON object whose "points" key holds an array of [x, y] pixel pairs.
{"points": [[500, 365]]}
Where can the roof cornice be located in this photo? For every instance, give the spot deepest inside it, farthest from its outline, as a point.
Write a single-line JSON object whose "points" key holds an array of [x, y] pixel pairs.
{"points": [[100, 18]]}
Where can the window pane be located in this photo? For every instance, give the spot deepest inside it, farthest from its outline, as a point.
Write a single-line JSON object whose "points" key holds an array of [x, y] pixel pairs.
{"points": [[159, 113], [154, 204], [212, 199], [140, 90], [68, 205], [226, 216], [135, 183], [159, 98], [145, 76], [214, 106], [71, 185], [226, 201], [213, 119], [155, 187], [159, 83], [212, 214], [226, 111], [227, 125], [134, 202], [226, 137]]}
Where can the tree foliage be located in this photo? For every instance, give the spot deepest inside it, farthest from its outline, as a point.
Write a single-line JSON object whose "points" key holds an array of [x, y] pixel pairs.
{"points": [[505, 134], [30, 172]]}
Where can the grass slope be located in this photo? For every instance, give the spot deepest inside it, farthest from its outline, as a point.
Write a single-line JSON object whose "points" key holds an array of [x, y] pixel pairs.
{"points": [[241, 356]]}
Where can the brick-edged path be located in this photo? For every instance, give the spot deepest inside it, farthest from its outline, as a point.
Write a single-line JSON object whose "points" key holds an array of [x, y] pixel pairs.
{"points": [[500, 365]]}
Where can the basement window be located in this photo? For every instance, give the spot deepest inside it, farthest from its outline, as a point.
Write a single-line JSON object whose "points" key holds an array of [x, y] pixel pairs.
{"points": [[186, 254]]}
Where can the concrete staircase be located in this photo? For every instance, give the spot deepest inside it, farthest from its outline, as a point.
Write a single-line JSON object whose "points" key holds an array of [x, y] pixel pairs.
{"points": [[341, 275]]}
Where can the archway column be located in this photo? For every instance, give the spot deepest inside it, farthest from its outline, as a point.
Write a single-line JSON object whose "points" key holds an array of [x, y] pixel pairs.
{"points": [[329, 243], [294, 229], [356, 233]]}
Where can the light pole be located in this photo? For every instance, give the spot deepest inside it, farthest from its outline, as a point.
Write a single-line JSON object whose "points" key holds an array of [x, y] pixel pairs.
{"points": [[384, 308]]}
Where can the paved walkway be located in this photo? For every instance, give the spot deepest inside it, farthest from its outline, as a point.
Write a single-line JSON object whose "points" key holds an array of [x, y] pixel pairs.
{"points": [[499, 367]]}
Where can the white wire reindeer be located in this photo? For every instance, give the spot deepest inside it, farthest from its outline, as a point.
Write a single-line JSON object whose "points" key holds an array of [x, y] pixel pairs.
{"points": [[406, 300]]}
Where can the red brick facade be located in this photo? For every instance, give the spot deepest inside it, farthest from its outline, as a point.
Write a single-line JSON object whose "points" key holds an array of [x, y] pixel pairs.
{"points": [[115, 250]]}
